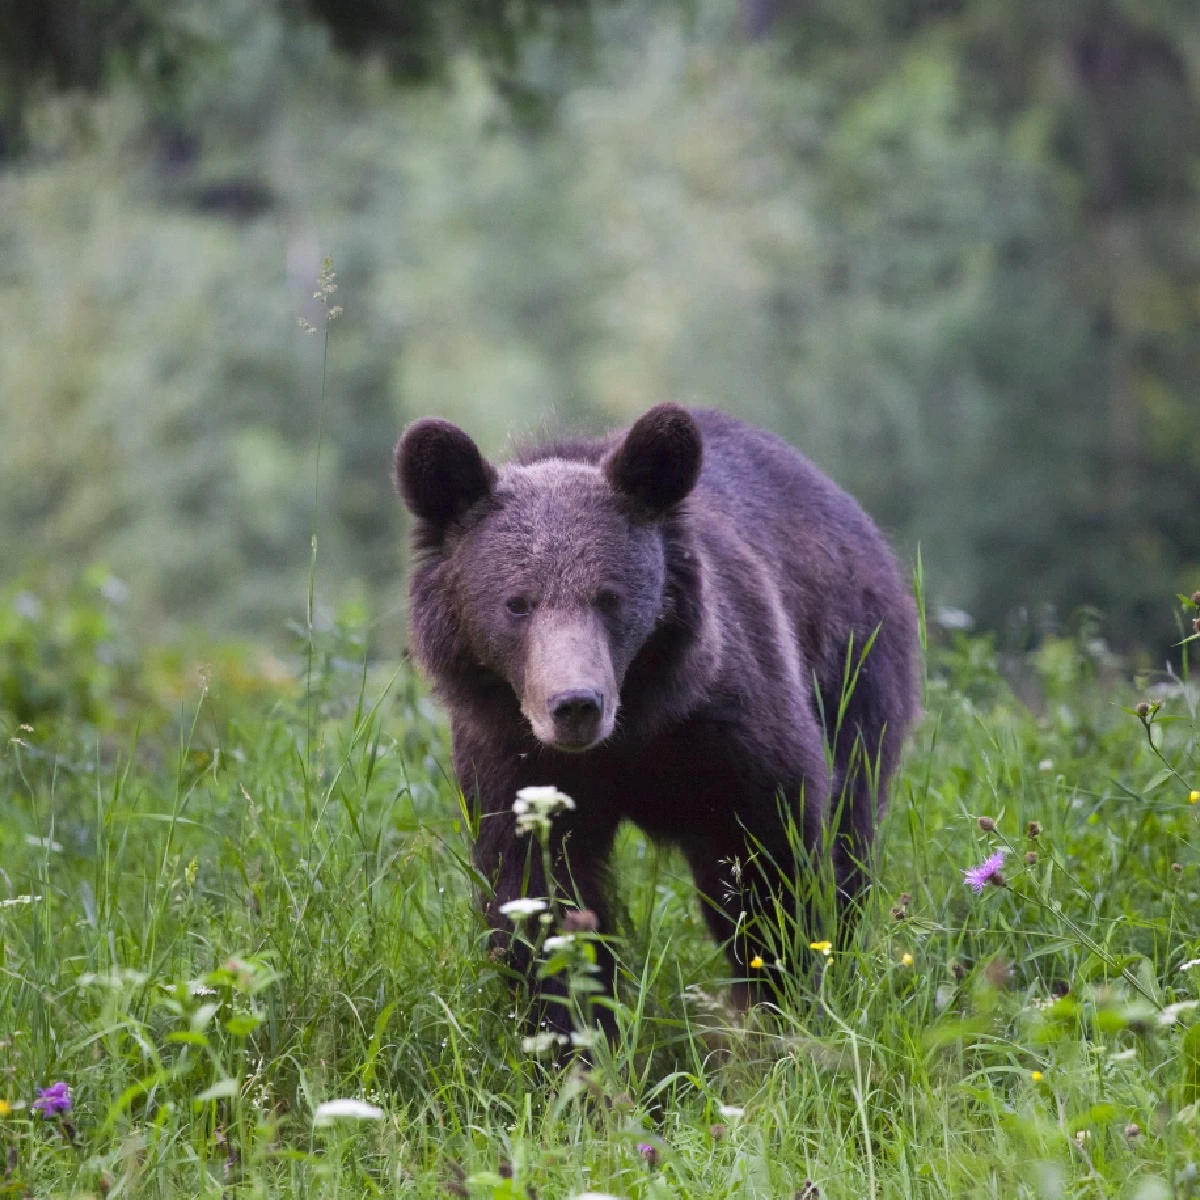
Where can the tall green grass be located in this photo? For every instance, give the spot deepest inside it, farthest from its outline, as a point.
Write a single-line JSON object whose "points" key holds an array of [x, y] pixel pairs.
{"points": [[204, 966]]}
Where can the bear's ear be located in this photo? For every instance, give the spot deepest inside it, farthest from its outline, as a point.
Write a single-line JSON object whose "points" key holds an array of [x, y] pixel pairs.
{"points": [[440, 472], [658, 462]]}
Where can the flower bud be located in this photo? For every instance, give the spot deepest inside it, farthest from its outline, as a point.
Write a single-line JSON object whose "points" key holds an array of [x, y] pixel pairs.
{"points": [[1031, 857], [1033, 830], [1143, 709], [987, 824]]}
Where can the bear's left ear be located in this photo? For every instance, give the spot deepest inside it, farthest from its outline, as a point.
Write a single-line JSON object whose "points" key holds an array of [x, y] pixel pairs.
{"points": [[658, 461], [440, 472]]}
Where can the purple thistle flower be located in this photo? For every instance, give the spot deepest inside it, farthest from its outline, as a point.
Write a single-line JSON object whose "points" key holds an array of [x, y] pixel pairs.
{"points": [[988, 871], [649, 1154], [53, 1100]]}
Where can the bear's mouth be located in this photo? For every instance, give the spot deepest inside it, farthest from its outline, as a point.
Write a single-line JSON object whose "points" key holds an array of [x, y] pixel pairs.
{"points": [[576, 747]]}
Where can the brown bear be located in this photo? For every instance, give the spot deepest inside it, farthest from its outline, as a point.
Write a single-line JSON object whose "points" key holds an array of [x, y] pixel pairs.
{"points": [[685, 625]]}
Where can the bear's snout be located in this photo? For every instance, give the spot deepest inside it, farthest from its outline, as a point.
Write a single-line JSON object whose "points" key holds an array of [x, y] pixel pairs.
{"points": [[576, 715], [569, 693]]}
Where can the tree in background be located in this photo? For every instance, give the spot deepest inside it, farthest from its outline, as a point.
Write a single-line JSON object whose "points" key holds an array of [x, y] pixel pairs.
{"points": [[949, 247]]}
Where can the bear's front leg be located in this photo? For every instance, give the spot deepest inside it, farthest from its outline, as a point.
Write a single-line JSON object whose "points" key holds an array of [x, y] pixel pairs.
{"points": [[575, 898]]}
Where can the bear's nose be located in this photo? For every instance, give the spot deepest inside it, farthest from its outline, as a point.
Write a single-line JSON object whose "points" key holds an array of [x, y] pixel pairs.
{"points": [[576, 716]]}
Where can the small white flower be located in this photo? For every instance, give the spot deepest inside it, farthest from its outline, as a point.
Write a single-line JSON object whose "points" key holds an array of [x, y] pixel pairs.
{"points": [[542, 1043], [731, 1112], [43, 843], [523, 907], [355, 1110], [1172, 1011], [584, 1039], [1191, 962], [16, 900], [1047, 764], [560, 941], [1123, 1055], [534, 806], [544, 799]]}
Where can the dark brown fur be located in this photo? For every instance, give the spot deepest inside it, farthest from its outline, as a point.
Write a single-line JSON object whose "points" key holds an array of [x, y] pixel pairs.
{"points": [[717, 585]]}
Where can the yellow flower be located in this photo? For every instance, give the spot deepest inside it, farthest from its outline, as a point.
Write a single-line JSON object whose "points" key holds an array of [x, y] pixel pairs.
{"points": [[907, 960], [1194, 797], [1036, 1076], [825, 948], [5, 1108], [756, 963]]}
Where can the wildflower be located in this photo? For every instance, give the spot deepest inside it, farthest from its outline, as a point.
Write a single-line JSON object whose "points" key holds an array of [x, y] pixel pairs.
{"points": [[906, 960], [1196, 598], [5, 1108], [1031, 858], [649, 1153], [1169, 1015], [535, 806], [1046, 764], [1191, 962], [1132, 1131], [825, 948], [1036, 1076], [541, 1043], [717, 1132], [54, 1100], [1177, 868], [998, 972], [562, 941], [580, 920], [43, 843], [1033, 830], [1082, 1135], [1194, 797], [987, 872], [1143, 709], [987, 824], [756, 963], [354, 1110], [731, 1112], [523, 906]]}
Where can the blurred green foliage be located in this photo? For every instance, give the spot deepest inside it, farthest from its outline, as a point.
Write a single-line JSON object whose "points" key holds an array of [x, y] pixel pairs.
{"points": [[950, 249], [66, 657]]}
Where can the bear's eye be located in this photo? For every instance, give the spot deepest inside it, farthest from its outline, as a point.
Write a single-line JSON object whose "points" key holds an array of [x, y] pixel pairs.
{"points": [[519, 606], [608, 601]]}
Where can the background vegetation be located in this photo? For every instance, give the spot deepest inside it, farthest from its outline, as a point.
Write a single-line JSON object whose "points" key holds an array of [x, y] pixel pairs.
{"points": [[950, 249]]}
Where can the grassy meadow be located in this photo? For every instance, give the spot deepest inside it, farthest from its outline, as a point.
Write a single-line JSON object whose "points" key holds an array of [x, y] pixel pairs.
{"points": [[234, 888]]}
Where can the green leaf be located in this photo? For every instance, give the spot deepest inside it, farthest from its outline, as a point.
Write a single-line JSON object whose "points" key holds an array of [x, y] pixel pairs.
{"points": [[1190, 1058], [223, 1089], [243, 1024]]}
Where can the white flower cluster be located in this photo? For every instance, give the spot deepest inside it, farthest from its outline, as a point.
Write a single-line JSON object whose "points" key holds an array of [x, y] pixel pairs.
{"points": [[534, 808], [524, 906]]}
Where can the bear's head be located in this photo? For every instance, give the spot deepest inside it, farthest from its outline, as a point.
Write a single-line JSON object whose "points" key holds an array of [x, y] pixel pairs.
{"points": [[551, 575]]}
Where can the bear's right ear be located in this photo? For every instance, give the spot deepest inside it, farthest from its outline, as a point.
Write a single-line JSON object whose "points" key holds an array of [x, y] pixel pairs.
{"points": [[440, 472]]}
